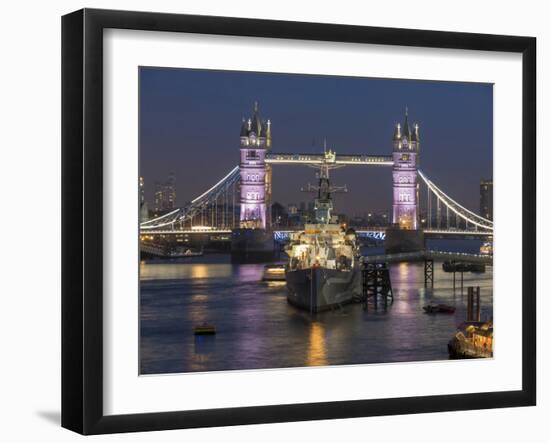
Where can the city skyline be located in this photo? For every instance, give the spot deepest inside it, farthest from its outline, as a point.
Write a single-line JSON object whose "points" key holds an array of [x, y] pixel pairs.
{"points": [[189, 116]]}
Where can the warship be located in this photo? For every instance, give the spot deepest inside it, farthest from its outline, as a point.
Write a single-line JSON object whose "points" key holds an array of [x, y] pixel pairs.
{"points": [[324, 266]]}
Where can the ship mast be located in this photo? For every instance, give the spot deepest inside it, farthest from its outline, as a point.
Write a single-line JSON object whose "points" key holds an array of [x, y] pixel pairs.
{"points": [[323, 202]]}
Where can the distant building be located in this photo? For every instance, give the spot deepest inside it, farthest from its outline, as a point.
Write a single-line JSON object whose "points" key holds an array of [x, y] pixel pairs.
{"points": [[279, 215], [165, 194], [141, 191], [486, 199], [143, 208], [292, 209], [374, 218]]}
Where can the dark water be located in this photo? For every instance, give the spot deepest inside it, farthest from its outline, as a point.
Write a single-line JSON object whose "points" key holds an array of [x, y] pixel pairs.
{"points": [[256, 328]]}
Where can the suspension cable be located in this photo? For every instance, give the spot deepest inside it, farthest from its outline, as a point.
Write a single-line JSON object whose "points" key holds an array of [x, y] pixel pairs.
{"points": [[459, 210]]}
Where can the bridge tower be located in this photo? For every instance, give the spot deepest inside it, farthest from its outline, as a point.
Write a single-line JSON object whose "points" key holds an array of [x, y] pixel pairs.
{"points": [[255, 177], [253, 240], [405, 235], [406, 146]]}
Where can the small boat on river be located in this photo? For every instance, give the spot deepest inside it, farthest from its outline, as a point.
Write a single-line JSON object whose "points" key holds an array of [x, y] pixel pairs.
{"points": [[458, 266], [472, 340], [204, 329], [442, 308], [182, 253], [274, 272], [486, 248]]}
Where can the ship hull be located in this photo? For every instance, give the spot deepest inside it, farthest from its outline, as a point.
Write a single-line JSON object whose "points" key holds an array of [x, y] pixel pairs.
{"points": [[320, 289]]}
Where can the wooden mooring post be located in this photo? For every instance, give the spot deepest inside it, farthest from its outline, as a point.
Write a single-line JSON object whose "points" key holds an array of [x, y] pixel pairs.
{"points": [[376, 283], [474, 306], [428, 272], [461, 281]]}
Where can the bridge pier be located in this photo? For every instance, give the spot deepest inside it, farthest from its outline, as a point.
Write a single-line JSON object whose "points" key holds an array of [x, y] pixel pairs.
{"points": [[403, 240], [252, 246]]}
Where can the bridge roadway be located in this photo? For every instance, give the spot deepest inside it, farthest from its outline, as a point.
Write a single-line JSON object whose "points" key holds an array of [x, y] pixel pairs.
{"points": [[420, 255], [374, 232]]}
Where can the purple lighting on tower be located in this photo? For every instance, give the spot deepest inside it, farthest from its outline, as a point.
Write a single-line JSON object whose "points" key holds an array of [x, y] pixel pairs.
{"points": [[255, 140], [406, 149]]}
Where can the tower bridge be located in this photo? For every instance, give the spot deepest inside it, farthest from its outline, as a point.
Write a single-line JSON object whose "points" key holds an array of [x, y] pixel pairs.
{"points": [[240, 202], [283, 234]]}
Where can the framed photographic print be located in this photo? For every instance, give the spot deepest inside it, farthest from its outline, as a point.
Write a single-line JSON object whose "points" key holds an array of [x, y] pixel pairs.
{"points": [[269, 221]]}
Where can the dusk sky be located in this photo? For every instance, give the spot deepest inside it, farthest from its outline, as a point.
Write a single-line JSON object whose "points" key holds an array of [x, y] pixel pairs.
{"points": [[190, 122]]}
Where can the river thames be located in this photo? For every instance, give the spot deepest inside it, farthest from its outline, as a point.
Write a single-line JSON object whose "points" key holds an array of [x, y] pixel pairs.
{"points": [[258, 329]]}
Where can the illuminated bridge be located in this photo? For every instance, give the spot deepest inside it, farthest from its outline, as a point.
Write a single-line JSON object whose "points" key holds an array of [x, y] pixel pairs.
{"points": [[216, 210], [242, 198]]}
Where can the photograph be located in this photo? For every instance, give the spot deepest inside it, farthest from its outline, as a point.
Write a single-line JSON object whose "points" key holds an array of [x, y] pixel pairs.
{"points": [[297, 220]]}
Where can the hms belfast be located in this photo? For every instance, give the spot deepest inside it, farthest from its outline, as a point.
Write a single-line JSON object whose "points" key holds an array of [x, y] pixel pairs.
{"points": [[324, 267], [253, 242]]}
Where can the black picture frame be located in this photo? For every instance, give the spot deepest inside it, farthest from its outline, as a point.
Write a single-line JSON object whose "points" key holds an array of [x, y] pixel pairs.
{"points": [[82, 218]]}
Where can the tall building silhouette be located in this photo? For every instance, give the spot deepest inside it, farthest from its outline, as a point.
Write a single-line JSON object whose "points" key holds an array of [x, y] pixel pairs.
{"points": [[143, 208], [165, 194], [486, 199]]}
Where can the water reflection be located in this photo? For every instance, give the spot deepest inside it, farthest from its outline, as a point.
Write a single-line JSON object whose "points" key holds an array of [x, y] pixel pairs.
{"points": [[205, 344], [249, 273], [405, 286], [275, 284], [316, 352], [214, 266], [257, 328], [200, 271]]}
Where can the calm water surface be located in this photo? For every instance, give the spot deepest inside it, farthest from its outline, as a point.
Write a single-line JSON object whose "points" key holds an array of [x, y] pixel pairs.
{"points": [[257, 328]]}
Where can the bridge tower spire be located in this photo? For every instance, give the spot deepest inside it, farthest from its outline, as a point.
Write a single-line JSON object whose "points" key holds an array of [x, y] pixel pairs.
{"points": [[254, 137], [405, 156]]}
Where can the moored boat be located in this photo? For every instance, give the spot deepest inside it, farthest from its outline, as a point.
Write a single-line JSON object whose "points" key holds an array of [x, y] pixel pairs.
{"points": [[204, 329], [434, 308], [186, 252], [274, 272], [458, 266], [486, 248], [472, 340]]}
